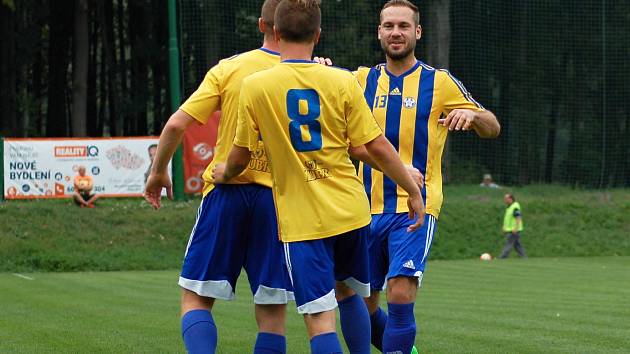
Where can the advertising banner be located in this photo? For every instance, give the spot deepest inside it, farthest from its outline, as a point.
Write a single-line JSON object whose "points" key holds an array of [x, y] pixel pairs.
{"points": [[199, 143], [45, 168]]}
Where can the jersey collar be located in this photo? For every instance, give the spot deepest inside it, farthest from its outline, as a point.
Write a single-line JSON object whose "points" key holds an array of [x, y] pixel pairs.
{"points": [[269, 51], [413, 68], [298, 61]]}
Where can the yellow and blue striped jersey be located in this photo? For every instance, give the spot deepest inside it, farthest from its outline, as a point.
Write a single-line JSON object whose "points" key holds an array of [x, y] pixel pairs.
{"points": [[307, 114], [220, 90], [408, 107]]}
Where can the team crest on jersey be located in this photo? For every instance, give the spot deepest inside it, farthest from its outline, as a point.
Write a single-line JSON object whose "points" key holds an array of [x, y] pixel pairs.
{"points": [[409, 102]]}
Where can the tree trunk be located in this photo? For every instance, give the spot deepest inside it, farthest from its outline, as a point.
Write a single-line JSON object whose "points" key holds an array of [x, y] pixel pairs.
{"points": [[438, 45], [109, 70], [92, 116], [8, 118], [138, 34], [122, 72], [159, 67], [58, 59], [80, 68], [438, 36]]}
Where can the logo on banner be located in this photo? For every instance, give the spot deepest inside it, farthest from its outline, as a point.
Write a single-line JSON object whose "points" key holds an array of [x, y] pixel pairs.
{"points": [[96, 170], [121, 157], [11, 192], [59, 189], [203, 151], [76, 151], [58, 176], [26, 188]]}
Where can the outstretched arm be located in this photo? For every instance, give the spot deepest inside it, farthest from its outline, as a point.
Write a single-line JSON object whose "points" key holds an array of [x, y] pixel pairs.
{"points": [[170, 139], [484, 123], [360, 153]]}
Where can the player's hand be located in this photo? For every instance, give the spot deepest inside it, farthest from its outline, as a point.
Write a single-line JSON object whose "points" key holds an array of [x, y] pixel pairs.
{"points": [[416, 175], [153, 189], [218, 173], [459, 119], [416, 210], [323, 61]]}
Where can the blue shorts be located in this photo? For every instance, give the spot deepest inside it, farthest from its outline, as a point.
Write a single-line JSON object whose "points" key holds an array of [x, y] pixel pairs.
{"points": [[396, 252], [236, 228], [316, 265]]}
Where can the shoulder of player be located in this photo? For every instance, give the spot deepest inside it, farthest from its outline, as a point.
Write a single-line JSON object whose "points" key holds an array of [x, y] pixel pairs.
{"points": [[253, 80], [443, 75]]}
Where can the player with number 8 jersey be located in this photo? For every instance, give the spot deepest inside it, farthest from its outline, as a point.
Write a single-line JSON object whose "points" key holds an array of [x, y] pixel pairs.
{"points": [[322, 109]]}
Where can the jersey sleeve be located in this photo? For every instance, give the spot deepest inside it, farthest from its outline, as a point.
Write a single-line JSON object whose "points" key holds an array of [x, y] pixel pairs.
{"points": [[207, 98], [247, 132], [456, 96], [362, 127]]}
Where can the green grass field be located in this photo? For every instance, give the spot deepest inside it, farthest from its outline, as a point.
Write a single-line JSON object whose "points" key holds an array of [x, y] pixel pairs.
{"points": [[537, 305], [125, 234]]}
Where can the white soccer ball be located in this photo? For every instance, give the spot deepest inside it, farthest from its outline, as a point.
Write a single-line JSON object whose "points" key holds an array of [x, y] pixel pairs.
{"points": [[485, 257]]}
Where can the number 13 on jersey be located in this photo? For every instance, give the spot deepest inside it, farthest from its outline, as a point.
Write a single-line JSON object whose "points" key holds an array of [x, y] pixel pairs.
{"points": [[303, 108]]}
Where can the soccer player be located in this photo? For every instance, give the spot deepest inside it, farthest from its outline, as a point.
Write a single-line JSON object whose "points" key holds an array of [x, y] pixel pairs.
{"points": [[417, 106], [236, 223], [307, 114]]}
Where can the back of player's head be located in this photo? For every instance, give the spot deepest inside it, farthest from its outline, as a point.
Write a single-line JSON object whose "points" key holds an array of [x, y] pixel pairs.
{"points": [[267, 13], [298, 20], [403, 3]]}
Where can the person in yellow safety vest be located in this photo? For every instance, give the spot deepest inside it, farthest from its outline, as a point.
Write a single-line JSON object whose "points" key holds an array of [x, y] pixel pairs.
{"points": [[512, 227]]}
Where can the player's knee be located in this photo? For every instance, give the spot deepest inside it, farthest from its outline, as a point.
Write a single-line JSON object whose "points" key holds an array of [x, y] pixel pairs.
{"points": [[192, 301], [271, 318], [342, 291], [372, 301], [402, 290]]}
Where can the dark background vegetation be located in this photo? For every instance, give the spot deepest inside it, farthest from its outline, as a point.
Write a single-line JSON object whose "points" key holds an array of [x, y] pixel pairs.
{"points": [[555, 73]]}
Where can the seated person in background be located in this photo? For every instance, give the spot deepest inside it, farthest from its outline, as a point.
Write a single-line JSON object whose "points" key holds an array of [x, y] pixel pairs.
{"points": [[83, 185], [488, 182]]}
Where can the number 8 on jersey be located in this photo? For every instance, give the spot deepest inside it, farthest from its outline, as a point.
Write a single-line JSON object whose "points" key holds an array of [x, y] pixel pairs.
{"points": [[303, 108]]}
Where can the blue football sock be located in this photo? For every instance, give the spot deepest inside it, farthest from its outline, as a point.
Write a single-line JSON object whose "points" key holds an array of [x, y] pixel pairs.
{"points": [[378, 320], [270, 343], [326, 343], [400, 331], [355, 324], [199, 332]]}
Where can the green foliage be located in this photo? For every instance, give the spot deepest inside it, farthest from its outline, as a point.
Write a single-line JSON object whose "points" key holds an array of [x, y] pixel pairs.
{"points": [[126, 234], [570, 305], [558, 221], [118, 234]]}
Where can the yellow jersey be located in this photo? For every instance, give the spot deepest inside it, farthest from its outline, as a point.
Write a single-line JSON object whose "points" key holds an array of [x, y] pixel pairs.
{"points": [[220, 90], [408, 107], [307, 114]]}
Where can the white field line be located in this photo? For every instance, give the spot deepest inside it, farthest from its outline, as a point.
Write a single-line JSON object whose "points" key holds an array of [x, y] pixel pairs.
{"points": [[23, 276]]}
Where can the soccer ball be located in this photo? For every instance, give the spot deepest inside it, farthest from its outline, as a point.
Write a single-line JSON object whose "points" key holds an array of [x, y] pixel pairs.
{"points": [[485, 257], [83, 184]]}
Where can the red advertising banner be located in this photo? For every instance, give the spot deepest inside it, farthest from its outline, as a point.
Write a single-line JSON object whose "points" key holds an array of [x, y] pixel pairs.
{"points": [[199, 142]]}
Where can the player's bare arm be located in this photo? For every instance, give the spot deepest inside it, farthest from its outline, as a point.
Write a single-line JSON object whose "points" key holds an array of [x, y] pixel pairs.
{"points": [[237, 162], [382, 151], [360, 153], [170, 139], [484, 123]]}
